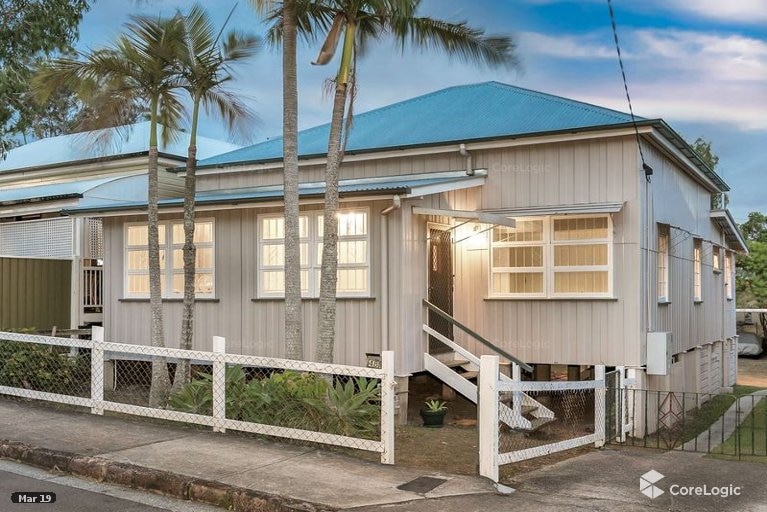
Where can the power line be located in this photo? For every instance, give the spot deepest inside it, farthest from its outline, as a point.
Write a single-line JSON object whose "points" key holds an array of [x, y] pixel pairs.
{"points": [[646, 168]]}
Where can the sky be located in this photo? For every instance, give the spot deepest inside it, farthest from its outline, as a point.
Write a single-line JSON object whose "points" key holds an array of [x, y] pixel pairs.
{"points": [[701, 65]]}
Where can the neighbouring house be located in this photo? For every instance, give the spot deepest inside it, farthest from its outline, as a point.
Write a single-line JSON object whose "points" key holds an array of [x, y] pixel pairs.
{"points": [[51, 265], [529, 218]]}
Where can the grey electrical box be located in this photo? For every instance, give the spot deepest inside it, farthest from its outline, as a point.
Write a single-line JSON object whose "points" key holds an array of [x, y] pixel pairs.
{"points": [[658, 353]]}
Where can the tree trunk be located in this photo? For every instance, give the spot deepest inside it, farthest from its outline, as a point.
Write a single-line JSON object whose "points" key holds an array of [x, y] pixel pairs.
{"points": [[160, 385], [294, 345], [329, 270], [183, 368]]}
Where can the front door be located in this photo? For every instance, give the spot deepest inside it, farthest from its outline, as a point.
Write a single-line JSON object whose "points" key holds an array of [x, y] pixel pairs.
{"points": [[440, 284]]}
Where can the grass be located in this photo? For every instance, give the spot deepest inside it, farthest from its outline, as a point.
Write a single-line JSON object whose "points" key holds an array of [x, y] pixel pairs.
{"points": [[697, 421], [702, 419], [749, 441]]}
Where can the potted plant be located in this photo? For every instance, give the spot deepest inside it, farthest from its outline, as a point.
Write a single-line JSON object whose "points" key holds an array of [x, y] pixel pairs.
{"points": [[434, 413]]}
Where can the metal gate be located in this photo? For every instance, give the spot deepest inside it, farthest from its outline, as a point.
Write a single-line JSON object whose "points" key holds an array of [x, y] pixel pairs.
{"points": [[440, 291]]}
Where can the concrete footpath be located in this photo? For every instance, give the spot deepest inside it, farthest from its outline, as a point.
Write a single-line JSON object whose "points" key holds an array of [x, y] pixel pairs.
{"points": [[723, 428], [252, 475], [231, 471]]}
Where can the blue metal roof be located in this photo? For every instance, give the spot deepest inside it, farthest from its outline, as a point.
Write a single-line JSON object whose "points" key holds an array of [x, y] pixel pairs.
{"points": [[393, 185], [462, 113], [77, 147], [70, 189]]}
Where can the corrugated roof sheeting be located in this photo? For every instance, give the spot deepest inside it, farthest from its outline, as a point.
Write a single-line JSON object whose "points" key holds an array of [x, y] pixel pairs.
{"points": [[394, 185], [56, 151], [466, 112]]}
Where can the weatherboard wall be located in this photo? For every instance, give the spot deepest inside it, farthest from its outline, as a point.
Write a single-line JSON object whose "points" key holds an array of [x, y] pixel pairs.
{"points": [[675, 199], [250, 325], [566, 331]]}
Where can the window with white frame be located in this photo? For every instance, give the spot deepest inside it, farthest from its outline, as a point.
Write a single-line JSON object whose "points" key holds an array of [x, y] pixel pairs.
{"points": [[552, 257], [663, 262], [697, 269], [728, 275], [353, 254], [171, 235], [716, 259]]}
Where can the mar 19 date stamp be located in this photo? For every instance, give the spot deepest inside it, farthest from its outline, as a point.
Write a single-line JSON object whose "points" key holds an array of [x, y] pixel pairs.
{"points": [[33, 497]]}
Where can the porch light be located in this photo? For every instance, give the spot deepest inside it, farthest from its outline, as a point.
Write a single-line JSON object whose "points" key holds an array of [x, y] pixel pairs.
{"points": [[475, 237]]}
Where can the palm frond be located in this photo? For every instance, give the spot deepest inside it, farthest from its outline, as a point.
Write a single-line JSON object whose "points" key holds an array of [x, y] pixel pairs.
{"points": [[455, 39]]}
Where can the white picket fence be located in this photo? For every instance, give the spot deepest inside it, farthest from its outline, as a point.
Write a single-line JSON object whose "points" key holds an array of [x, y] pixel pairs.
{"points": [[101, 352]]}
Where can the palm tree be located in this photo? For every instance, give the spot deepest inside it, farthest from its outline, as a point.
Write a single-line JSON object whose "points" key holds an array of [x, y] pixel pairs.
{"points": [[141, 66], [206, 67], [289, 24], [360, 23]]}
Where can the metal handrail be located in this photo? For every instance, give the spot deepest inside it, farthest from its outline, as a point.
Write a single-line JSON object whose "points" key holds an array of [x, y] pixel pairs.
{"points": [[477, 336]]}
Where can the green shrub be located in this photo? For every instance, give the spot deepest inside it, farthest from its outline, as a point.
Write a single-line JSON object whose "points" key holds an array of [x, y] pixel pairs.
{"points": [[43, 368], [290, 399]]}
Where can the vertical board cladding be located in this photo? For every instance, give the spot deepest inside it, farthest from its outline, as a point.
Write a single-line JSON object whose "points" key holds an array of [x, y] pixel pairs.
{"points": [[35, 293], [675, 199], [251, 325], [566, 331]]}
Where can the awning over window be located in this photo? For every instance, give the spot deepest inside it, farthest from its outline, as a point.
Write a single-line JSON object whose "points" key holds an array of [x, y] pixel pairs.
{"points": [[483, 217], [413, 185], [723, 218], [561, 209]]}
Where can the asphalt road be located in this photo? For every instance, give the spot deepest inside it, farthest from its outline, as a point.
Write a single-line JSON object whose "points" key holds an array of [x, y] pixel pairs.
{"points": [[75, 495]]}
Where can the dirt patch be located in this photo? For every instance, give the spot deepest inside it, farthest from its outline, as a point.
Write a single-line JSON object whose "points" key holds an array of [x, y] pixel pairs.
{"points": [[752, 371], [453, 448]]}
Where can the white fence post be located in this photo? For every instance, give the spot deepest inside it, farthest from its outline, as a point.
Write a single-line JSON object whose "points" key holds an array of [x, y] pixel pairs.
{"points": [[488, 417], [621, 403], [516, 404], [600, 405], [387, 407], [219, 382], [97, 370]]}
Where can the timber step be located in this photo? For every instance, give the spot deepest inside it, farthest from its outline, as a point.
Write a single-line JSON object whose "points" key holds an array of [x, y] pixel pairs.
{"points": [[455, 363], [469, 375]]}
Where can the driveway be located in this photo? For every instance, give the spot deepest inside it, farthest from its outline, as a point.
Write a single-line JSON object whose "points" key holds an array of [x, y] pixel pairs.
{"points": [[608, 480], [752, 372]]}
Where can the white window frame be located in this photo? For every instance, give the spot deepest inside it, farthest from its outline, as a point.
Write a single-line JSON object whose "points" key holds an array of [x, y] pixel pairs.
{"points": [[716, 259], [166, 268], [697, 270], [313, 266], [728, 275], [548, 269], [521, 270], [662, 264]]}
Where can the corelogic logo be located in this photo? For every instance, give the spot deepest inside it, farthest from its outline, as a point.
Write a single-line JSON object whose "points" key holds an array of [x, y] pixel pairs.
{"points": [[646, 484]]}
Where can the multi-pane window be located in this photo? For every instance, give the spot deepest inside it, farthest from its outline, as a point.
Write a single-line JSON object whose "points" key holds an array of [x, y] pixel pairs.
{"points": [[552, 257], [716, 261], [171, 235], [697, 269], [663, 261], [353, 254], [517, 258], [728, 275]]}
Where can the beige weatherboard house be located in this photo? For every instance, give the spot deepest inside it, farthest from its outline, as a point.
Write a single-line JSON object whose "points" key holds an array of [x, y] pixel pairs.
{"points": [[528, 218], [51, 265]]}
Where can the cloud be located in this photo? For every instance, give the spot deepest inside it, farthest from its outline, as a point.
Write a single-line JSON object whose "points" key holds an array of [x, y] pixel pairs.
{"points": [[570, 47], [721, 57], [676, 74], [741, 11]]}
